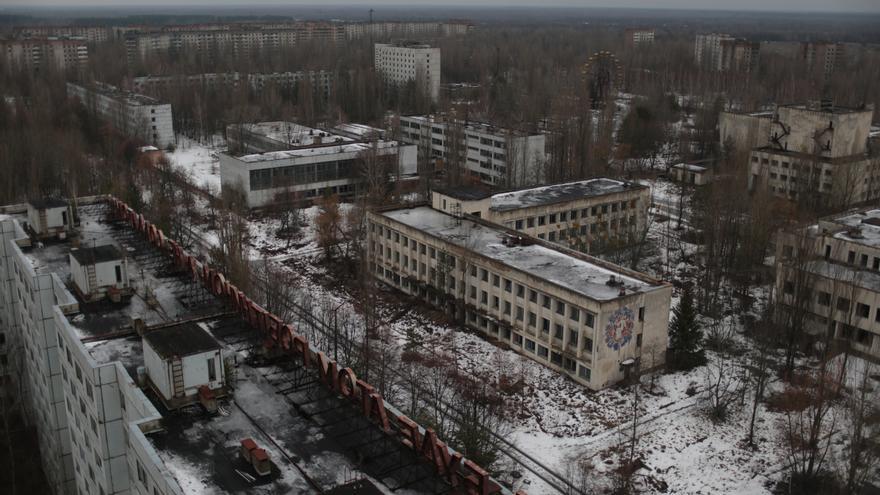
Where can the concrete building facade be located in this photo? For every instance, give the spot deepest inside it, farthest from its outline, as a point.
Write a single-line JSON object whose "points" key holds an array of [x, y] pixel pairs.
{"points": [[587, 216], [636, 37], [744, 131], [591, 320], [403, 62], [45, 54], [818, 152], [281, 161], [491, 155], [130, 113], [824, 57], [321, 81], [828, 279], [722, 53]]}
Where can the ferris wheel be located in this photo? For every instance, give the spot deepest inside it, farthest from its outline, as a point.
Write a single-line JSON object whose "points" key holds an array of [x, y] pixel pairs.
{"points": [[603, 76]]}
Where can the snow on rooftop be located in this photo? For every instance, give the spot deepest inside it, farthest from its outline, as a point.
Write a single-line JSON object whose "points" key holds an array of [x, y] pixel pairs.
{"points": [[689, 166], [868, 224], [319, 151], [556, 193], [570, 272]]}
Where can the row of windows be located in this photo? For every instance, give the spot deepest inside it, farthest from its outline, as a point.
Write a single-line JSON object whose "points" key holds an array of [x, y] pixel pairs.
{"points": [[530, 346], [269, 178]]}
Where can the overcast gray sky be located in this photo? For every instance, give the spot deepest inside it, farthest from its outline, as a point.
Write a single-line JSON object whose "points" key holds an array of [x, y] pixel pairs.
{"points": [[775, 5]]}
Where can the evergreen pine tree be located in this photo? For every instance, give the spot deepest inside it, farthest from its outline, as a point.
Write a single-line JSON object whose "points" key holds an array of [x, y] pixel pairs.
{"points": [[685, 334]]}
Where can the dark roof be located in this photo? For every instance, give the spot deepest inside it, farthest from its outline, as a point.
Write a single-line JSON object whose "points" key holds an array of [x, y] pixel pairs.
{"points": [[180, 340], [466, 193], [359, 487], [93, 255], [44, 203]]}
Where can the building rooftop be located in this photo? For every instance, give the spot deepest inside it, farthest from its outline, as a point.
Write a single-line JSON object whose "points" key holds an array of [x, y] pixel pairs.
{"points": [[572, 271], [94, 255], [41, 204], [180, 340], [828, 107], [697, 165], [860, 227], [159, 296], [472, 126], [128, 97], [558, 193], [316, 151], [293, 136]]}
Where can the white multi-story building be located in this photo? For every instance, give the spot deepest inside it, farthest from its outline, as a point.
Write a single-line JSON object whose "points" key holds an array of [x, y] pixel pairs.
{"points": [[492, 155], [824, 57], [828, 279], [130, 113], [45, 53], [586, 215], [281, 161], [578, 315], [405, 62], [818, 152]]}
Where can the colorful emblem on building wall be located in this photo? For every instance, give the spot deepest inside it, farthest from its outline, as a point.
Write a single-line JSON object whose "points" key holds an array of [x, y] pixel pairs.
{"points": [[620, 329]]}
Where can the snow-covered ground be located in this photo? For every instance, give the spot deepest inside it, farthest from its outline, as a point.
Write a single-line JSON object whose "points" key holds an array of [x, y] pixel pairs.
{"points": [[200, 161]]}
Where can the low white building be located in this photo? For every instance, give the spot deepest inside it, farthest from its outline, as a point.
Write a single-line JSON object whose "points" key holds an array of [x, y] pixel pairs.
{"points": [[401, 63], [492, 155], [132, 114], [181, 359], [49, 218], [696, 172], [99, 271], [282, 161], [586, 318]]}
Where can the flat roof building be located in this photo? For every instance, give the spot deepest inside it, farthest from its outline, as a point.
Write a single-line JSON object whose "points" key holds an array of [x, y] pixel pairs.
{"points": [[495, 156], [274, 161], [724, 53], [828, 279], [817, 153], [320, 81], [589, 215], [409, 61], [584, 317], [132, 114]]}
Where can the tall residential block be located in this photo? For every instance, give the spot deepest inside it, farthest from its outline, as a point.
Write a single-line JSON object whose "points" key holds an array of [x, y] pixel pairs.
{"points": [[132, 114], [404, 62]]}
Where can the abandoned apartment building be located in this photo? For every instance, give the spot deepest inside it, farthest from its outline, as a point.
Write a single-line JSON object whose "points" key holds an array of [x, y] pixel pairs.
{"points": [[828, 275], [588, 215], [586, 318], [154, 392], [814, 152]]}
